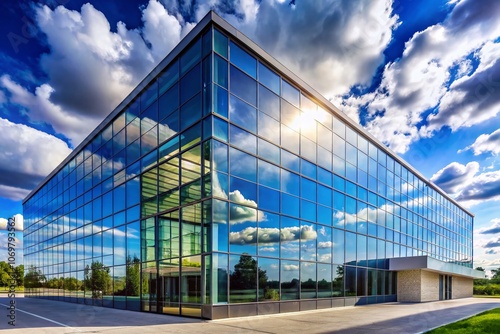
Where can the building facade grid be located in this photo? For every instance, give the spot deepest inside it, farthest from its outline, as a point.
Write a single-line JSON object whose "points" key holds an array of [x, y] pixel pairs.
{"points": [[224, 182]]}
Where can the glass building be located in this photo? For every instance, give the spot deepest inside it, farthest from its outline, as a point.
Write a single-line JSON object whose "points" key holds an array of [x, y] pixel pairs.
{"points": [[225, 186]]}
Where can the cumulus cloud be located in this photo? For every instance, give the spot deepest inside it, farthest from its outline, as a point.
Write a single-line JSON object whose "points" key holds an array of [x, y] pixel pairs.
{"points": [[492, 243], [27, 155], [88, 59], [341, 43], [485, 186], [239, 213], [494, 228], [467, 184], [486, 143], [18, 222], [420, 80], [252, 235], [291, 267], [453, 177]]}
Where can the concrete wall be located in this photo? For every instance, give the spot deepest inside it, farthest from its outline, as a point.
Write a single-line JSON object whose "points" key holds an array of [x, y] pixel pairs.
{"points": [[430, 286], [461, 287], [409, 283]]}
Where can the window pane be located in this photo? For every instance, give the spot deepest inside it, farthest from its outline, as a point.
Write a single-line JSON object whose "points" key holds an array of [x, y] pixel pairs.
{"points": [[243, 86], [242, 279], [169, 101], [243, 165], [220, 101], [269, 102], [168, 77], [191, 112], [191, 56], [269, 78], [243, 114], [243, 60], [220, 43], [289, 280], [290, 93], [191, 83], [220, 71], [243, 139]]}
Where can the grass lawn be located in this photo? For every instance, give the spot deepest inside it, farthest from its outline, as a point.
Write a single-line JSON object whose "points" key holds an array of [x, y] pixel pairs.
{"points": [[486, 296], [483, 323]]}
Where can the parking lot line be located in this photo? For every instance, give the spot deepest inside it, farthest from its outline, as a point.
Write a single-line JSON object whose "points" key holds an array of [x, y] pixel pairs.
{"points": [[47, 319]]}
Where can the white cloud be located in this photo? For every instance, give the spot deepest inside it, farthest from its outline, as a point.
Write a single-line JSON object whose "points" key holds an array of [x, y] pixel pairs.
{"points": [[417, 82], [340, 43], [291, 267], [455, 176], [27, 156], [485, 186], [486, 143], [88, 59], [18, 222], [252, 235], [494, 228]]}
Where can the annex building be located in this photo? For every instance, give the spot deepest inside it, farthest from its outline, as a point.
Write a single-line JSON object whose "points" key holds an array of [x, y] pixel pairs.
{"points": [[225, 186]]}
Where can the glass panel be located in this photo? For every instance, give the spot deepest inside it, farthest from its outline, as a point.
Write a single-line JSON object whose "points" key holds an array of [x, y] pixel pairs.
{"points": [[269, 78], [269, 102], [190, 84], [191, 280], [169, 101], [220, 101], [269, 128], [220, 230], [243, 114], [191, 112], [290, 93], [290, 235], [243, 60], [243, 227], [219, 278], [220, 43], [243, 278], [243, 165], [243, 139], [191, 56], [243, 86], [168, 77], [308, 280], [191, 229], [220, 71], [289, 280], [268, 272]]}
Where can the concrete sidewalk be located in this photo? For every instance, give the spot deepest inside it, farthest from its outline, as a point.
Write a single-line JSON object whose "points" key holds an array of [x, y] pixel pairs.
{"points": [[45, 316]]}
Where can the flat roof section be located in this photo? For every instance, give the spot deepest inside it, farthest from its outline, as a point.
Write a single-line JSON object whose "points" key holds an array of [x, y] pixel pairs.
{"points": [[428, 263]]}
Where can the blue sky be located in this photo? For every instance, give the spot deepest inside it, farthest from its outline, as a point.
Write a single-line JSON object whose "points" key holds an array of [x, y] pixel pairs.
{"points": [[422, 76]]}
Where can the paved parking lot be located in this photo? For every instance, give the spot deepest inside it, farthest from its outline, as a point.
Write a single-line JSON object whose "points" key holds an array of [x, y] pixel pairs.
{"points": [[44, 316]]}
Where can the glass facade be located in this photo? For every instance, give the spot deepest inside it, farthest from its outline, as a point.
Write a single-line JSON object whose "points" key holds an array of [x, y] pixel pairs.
{"points": [[223, 182]]}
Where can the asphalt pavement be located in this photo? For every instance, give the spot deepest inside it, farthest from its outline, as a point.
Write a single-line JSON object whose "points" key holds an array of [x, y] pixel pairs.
{"points": [[35, 316]]}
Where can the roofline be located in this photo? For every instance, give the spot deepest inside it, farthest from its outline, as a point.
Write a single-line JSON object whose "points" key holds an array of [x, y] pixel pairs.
{"points": [[212, 17]]}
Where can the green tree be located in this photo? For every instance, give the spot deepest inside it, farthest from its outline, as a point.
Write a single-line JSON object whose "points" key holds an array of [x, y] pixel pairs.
{"points": [[245, 274], [133, 279], [5, 273], [97, 279], [495, 274], [34, 278], [18, 275], [71, 284]]}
